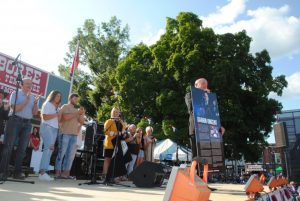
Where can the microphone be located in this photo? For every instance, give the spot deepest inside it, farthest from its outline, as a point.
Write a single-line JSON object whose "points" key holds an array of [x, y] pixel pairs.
{"points": [[16, 60]]}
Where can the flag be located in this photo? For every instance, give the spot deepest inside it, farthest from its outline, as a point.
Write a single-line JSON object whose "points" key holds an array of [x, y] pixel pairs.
{"points": [[75, 61]]}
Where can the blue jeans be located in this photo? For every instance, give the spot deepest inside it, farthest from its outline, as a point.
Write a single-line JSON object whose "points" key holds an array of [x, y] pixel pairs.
{"points": [[16, 128], [67, 148], [48, 135], [130, 165]]}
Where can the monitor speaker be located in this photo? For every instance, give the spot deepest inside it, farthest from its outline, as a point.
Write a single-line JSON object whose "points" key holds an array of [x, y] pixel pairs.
{"points": [[147, 175]]}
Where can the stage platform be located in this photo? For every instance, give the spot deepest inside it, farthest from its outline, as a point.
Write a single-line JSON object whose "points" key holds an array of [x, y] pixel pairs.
{"points": [[69, 190]]}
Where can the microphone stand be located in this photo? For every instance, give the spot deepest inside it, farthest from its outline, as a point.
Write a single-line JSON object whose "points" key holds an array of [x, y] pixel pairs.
{"points": [[19, 80]]}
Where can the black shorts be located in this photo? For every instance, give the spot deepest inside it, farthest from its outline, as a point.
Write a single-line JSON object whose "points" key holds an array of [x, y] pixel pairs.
{"points": [[108, 153]]}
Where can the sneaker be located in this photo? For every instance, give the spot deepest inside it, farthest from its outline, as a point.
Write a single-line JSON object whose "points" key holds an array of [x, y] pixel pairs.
{"points": [[70, 177], [102, 177], [66, 177], [45, 177], [123, 178]]}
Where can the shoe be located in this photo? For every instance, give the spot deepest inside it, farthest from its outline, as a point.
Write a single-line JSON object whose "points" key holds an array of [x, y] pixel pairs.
{"points": [[102, 177], [212, 189], [110, 181], [45, 177], [71, 177], [19, 176], [66, 177], [117, 180], [123, 178]]}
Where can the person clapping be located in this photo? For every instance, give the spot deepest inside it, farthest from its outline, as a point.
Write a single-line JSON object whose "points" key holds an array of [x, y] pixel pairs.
{"points": [[71, 117]]}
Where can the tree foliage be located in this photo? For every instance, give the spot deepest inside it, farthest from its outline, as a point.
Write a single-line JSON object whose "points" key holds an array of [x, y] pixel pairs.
{"points": [[101, 48], [153, 81]]}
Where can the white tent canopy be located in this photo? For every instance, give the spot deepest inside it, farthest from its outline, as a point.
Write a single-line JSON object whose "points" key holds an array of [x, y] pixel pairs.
{"points": [[167, 150]]}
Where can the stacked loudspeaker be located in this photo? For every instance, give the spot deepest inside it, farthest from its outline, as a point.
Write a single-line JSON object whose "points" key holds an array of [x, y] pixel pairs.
{"points": [[148, 175]]}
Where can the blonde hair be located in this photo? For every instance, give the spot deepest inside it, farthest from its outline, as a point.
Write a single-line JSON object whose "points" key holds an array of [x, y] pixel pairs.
{"points": [[149, 128], [112, 112]]}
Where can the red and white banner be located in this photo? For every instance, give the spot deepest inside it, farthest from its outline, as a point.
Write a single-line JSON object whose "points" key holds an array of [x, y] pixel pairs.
{"points": [[9, 73]]}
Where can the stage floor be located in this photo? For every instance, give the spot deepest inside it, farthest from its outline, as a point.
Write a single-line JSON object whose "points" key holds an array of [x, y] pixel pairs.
{"points": [[69, 190]]}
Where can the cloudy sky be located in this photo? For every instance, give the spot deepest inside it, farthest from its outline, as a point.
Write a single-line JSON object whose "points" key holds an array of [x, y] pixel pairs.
{"points": [[41, 29]]}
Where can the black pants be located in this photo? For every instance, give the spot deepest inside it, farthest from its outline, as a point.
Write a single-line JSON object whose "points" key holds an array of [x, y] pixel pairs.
{"points": [[193, 145], [16, 128]]}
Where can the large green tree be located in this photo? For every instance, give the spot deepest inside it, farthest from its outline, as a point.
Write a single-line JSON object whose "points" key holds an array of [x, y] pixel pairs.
{"points": [[101, 48], [153, 81]]}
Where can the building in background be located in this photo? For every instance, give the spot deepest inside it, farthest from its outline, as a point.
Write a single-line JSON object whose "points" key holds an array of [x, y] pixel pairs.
{"points": [[287, 138], [274, 159]]}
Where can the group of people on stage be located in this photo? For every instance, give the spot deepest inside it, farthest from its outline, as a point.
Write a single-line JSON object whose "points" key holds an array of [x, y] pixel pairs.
{"points": [[133, 146], [63, 123]]}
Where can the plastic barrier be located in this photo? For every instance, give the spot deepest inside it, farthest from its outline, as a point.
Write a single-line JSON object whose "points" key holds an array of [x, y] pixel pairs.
{"points": [[253, 186], [184, 184]]}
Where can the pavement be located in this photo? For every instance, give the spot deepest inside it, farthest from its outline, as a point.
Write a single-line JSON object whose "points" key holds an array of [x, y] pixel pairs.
{"points": [[69, 190]]}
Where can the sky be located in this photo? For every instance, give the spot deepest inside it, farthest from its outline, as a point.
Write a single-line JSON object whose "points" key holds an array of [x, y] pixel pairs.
{"points": [[41, 29]]}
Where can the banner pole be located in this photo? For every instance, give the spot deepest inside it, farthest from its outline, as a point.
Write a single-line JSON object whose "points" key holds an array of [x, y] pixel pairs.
{"points": [[71, 85]]}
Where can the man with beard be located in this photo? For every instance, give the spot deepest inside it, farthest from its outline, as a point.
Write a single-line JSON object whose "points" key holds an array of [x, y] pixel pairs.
{"points": [[71, 121]]}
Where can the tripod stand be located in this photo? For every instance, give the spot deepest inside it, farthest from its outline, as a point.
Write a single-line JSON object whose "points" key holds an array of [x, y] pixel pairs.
{"points": [[9, 136]]}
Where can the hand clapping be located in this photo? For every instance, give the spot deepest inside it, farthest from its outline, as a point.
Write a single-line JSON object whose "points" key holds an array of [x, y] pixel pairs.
{"points": [[81, 110], [36, 99]]}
